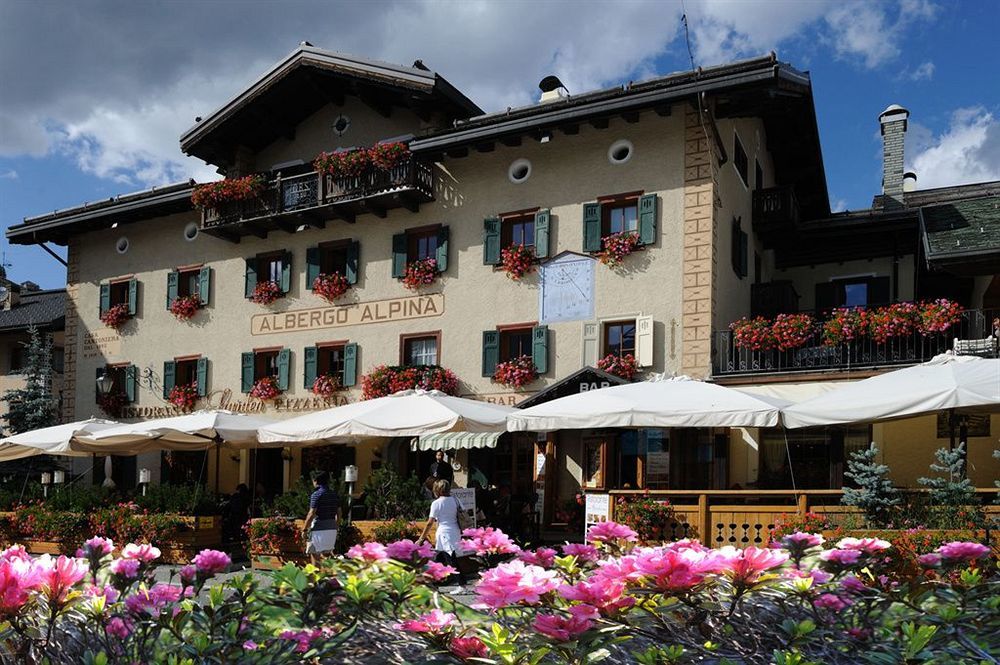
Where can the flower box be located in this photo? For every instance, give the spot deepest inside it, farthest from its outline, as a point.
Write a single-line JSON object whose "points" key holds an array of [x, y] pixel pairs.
{"points": [[275, 541], [421, 272], [617, 247], [342, 164], [517, 261], [185, 307], [326, 386], [624, 366], [266, 292], [516, 373], [215, 194], [331, 286], [184, 397], [265, 389], [115, 316], [385, 380], [387, 156]]}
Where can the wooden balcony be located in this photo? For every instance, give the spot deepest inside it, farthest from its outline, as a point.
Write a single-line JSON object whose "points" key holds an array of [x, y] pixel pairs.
{"points": [[775, 211], [313, 199]]}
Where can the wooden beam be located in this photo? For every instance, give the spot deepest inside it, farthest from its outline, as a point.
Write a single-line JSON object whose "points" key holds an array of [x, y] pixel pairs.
{"points": [[489, 146], [511, 141], [345, 215], [599, 123], [255, 230], [374, 208], [570, 130], [409, 203], [381, 107], [287, 226]]}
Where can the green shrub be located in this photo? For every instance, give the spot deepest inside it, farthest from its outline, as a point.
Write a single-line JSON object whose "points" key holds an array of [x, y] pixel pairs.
{"points": [[295, 502], [180, 499], [389, 495], [397, 529], [875, 494]]}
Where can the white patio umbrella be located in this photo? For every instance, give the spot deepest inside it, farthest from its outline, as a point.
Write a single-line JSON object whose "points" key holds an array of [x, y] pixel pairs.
{"points": [[199, 430], [659, 402], [56, 440], [947, 382], [406, 413]]}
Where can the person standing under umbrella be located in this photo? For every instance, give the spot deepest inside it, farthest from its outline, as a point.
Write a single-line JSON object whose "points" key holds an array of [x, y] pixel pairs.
{"points": [[444, 513], [441, 469], [322, 518]]}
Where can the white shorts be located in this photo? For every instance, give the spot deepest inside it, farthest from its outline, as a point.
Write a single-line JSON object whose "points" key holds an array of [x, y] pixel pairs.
{"points": [[322, 541]]}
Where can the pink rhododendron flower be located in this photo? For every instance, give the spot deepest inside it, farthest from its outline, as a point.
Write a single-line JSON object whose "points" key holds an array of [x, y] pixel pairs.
{"points": [[543, 556], [15, 552], [188, 574], [108, 592], [468, 647], [18, 577], [841, 557], [210, 562], [599, 592], [561, 629], [487, 540], [250, 645], [581, 551], [852, 584], [369, 552], [407, 550], [930, 560], [802, 541], [832, 602], [678, 570], [145, 553], [438, 571], [623, 568], [686, 544], [98, 546], [746, 566], [962, 551], [125, 568], [819, 576], [859, 633], [304, 637], [584, 612], [866, 545], [119, 627], [153, 600], [57, 576], [603, 532], [513, 583], [434, 621]]}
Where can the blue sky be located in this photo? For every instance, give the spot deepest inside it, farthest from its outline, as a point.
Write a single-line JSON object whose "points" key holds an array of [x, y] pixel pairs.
{"points": [[95, 95]]}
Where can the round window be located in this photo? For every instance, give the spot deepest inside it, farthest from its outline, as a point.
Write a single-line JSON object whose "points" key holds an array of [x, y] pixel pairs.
{"points": [[620, 151], [191, 231], [341, 125], [121, 245], [519, 171]]}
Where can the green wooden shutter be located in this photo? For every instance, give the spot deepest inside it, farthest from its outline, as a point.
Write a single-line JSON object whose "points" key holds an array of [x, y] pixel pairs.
{"points": [[201, 376], [286, 272], [491, 241], [351, 265], [169, 377], [284, 363], [399, 255], [133, 296], [491, 351], [171, 286], [251, 278], [826, 296], [131, 374], [591, 227], [442, 249], [350, 364], [205, 284], [309, 360], [312, 266], [879, 291], [647, 219], [246, 383], [542, 233], [540, 348], [105, 304]]}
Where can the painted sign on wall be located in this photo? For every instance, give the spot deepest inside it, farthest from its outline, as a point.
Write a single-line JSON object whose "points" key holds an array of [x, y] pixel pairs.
{"points": [[356, 314], [105, 344]]}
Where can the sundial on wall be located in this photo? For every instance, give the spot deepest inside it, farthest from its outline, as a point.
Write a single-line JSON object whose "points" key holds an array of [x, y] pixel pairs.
{"points": [[567, 288]]}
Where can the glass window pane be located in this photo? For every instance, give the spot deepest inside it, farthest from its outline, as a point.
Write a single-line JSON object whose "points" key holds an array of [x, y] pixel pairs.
{"points": [[631, 216], [856, 295]]}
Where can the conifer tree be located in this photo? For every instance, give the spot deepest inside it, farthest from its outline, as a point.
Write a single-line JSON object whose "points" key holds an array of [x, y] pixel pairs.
{"points": [[875, 494], [32, 407], [951, 491]]}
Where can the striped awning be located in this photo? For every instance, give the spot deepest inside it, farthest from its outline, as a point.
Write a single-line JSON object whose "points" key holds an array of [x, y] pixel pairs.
{"points": [[456, 440]]}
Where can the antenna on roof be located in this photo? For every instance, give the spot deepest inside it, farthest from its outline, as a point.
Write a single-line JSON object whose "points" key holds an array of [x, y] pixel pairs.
{"points": [[687, 34], [304, 43]]}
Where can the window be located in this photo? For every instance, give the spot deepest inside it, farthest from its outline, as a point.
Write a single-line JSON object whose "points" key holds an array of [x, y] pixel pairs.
{"points": [[16, 358], [265, 363], [421, 244], [262, 363], [338, 256], [619, 338], [740, 160], [330, 360], [632, 212], [425, 242], [861, 291], [740, 249], [187, 281], [517, 229], [515, 342], [272, 266], [123, 381], [339, 359], [815, 457], [333, 258], [524, 227], [185, 371], [119, 292], [422, 349], [619, 216], [58, 359], [758, 180]]}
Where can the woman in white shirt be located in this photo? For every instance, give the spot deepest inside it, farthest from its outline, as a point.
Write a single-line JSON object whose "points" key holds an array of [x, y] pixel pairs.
{"points": [[444, 513]]}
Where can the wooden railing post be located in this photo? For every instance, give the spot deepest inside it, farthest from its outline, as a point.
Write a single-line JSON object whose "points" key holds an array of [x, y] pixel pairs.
{"points": [[803, 503], [704, 521]]}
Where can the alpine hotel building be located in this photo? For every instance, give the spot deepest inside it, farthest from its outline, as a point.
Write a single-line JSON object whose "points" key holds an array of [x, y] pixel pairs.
{"points": [[718, 171]]}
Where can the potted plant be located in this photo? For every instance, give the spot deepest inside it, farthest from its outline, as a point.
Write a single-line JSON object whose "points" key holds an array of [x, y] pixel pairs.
{"points": [[265, 389], [326, 385], [792, 331], [754, 334], [115, 316], [385, 380], [517, 261], [624, 366], [185, 307], [843, 325], [266, 292], [184, 397], [387, 156], [420, 273], [654, 521], [617, 246], [330, 286], [214, 194], [342, 164], [517, 372], [896, 320], [938, 316]]}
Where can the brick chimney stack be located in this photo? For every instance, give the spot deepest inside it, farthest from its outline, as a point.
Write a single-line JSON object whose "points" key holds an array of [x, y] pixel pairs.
{"points": [[893, 125]]}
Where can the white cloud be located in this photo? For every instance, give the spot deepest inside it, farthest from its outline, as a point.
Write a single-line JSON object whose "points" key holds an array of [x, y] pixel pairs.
{"points": [[967, 151], [9, 174], [923, 72]]}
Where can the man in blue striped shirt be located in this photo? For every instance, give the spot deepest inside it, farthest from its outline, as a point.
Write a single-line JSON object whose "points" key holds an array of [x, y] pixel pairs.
{"points": [[322, 518]]}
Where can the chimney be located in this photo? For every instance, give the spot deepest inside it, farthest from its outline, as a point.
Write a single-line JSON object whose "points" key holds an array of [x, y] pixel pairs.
{"points": [[909, 181], [552, 89], [893, 125]]}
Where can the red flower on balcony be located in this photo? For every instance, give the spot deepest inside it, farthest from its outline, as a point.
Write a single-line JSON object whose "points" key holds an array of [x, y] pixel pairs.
{"points": [[756, 334], [517, 261], [112, 404], [325, 385], [342, 164], [938, 316], [115, 316], [624, 366], [265, 389], [792, 331], [184, 397], [844, 325], [185, 307], [387, 156], [420, 273], [266, 292], [214, 194], [517, 372], [617, 246], [386, 380], [330, 286], [896, 320]]}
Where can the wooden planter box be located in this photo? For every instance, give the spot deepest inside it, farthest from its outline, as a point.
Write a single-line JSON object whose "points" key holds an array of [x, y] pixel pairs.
{"points": [[290, 551], [200, 532]]}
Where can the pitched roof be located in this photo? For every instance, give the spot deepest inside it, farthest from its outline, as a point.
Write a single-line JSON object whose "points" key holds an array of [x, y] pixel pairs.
{"points": [[44, 309], [963, 235]]}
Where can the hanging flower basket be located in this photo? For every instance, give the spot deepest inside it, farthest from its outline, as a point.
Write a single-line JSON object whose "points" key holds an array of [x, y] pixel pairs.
{"points": [[421, 272], [516, 373], [624, 366], [517, 261], [387, 156], [330, 286], [896, 320], [754, 334], [112, 404], [115, 316], [938, 316], [265, 389], [214, 194], [184, 397], [792, 331], [386, 380], [185, 307], [342, 164], [326, 385], [617, 246], [266, 292], [844, 325]]}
